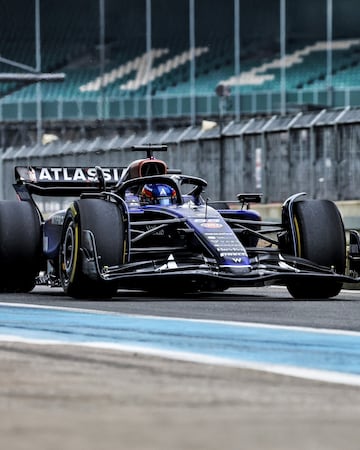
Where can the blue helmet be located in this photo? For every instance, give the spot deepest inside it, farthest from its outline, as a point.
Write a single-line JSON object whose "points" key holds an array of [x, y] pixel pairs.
{"points": [[158, 194]]}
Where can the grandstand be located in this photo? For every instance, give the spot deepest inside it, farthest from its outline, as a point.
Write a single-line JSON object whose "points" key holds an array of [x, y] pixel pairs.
{"points": [[119, 90]]}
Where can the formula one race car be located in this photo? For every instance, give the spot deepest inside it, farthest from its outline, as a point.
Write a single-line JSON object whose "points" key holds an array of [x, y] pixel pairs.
{"points": [[149, 228]]}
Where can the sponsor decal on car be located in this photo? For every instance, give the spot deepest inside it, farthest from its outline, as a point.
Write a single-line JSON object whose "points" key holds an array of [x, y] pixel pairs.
{"points": [[227, 245], [67, 174], [211, 225]]}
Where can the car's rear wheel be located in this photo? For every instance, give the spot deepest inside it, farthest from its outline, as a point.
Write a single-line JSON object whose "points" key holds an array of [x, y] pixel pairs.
{"points": [[104, 220], [320, 238], [20, 246]]}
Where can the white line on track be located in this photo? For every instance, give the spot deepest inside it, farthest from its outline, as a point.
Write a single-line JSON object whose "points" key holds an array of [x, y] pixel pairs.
{"points": [[295, 372]]}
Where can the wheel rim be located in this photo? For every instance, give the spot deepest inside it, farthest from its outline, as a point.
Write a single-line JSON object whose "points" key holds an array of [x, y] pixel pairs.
{"points": [[68, 253]]}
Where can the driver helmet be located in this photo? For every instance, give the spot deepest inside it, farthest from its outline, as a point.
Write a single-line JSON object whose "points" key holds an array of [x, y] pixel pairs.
{"points": [[158, 194]]}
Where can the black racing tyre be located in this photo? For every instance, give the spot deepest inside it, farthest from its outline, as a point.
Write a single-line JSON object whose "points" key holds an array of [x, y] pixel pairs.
{"points": [[20, 246], [105, 221], [320, 237]]}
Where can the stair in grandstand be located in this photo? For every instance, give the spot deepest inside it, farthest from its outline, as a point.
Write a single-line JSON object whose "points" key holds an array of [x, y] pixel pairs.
{"points": [[126, 69]]}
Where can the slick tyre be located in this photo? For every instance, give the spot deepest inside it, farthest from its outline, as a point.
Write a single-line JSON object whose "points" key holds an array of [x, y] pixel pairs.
{"points": [[104, 220], [20, 246], [320, 238]]}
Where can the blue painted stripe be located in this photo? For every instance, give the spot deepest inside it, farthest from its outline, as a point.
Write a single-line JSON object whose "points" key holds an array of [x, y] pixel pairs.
{"points": [[310, 349]]}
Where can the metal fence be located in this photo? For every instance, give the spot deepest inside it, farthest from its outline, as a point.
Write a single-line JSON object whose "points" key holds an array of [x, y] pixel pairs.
{"points": [[317, 152], [172, 106]]}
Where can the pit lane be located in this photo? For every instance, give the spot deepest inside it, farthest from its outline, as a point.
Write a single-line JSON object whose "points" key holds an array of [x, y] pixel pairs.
{"points": [[310, 338], [92, 398], [269, 305]]}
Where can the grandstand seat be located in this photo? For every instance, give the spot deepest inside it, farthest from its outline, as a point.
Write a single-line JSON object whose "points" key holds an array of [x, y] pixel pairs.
{"points": [[73, 49]]}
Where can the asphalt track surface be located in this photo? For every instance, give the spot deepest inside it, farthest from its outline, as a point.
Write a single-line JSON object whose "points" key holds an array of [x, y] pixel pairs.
{"points": [[71, 397], [269, 305]]}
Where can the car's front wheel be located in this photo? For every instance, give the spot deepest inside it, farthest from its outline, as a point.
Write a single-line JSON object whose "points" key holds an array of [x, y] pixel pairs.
{"points": [[320, 238], [104, 221]]}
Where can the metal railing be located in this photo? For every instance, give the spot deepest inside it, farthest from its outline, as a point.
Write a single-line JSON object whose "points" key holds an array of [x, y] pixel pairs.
{"points": [[165, 106]]}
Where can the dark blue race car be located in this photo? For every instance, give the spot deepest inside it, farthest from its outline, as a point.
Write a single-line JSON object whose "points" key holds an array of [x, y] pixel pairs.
{"points": [[149, 228]]}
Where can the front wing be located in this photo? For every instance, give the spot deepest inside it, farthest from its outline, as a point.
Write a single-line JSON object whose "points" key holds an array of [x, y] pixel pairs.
{"points": [[197, 273]]}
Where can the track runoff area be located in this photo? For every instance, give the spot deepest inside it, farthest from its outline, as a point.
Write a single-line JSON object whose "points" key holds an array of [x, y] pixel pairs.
{"points": [[308, 352]]}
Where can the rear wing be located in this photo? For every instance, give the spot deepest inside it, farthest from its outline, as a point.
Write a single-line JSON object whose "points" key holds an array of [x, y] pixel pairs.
{"points": [[64, 181], [67, 181]]}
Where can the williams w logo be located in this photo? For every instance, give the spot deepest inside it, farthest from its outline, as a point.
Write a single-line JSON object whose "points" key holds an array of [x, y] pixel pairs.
{"points": [[237, 260]]}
